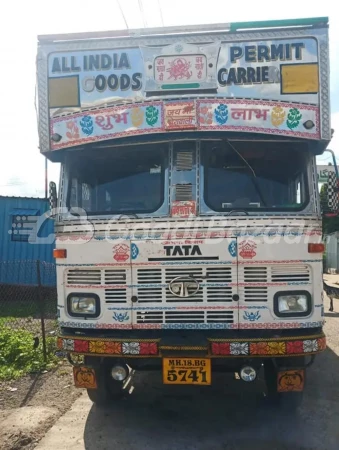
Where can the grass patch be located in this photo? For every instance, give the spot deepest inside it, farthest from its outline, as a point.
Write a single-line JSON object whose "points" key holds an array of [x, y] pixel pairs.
{"points": [[20, 309], [18, 356]]}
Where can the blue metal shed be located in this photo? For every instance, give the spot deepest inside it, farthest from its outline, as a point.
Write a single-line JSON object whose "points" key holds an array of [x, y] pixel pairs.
{"points": [[26, 236]]}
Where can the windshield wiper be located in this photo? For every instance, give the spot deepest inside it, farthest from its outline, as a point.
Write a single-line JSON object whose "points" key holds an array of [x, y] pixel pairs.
{"points": [[254, 177], [128, 215]]}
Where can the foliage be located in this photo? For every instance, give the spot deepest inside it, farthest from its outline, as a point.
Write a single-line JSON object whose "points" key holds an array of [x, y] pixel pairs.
{"points": [[18, 355]]}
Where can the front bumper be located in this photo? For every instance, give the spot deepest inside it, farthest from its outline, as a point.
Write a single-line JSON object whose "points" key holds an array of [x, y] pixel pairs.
{"points": [[210, 347]]}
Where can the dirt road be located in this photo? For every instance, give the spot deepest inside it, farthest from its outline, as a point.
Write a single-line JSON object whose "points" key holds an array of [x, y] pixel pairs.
{"points": [[230, 415]]}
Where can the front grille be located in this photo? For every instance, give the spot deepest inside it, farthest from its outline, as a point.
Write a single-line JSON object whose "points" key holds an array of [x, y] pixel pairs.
{"points": [[114, 279], [183, 192], [184, 317], [254, 280], [84, 276], [184, 161], [255, 294], [255, 274], [290, 273], [115, 276], [215, 284]]}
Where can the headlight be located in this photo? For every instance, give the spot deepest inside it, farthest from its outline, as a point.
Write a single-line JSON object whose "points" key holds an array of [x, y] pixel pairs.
{"points": [[83, 305], [292, 304]]}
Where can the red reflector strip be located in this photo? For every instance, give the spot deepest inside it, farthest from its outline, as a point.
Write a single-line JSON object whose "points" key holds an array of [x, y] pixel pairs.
{"points": [[273, 348], [108, 347]]}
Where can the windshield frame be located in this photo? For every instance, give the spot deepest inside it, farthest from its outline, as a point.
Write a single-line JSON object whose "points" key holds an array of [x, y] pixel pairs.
{"points": [[162, 206], [207, 209]]}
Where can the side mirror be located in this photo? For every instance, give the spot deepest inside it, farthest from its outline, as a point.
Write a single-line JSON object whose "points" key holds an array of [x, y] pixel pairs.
{"points": [[53, 199]]}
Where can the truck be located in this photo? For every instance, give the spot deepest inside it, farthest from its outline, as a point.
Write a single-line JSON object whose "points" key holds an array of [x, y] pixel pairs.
{"points": [[188, 222]]}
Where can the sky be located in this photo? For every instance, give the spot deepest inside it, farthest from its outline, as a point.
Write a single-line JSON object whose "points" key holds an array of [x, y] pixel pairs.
{"points": [[22, 166]]}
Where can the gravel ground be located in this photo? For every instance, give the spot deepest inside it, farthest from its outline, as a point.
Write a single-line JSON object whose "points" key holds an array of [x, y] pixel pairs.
{"points": [[53, 389]]}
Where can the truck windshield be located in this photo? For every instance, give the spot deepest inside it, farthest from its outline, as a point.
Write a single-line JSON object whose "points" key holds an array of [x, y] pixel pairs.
{"points": [[118, 181], [255, 175]]}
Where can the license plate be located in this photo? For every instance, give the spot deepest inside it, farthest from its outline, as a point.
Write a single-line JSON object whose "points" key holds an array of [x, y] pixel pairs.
{"points": [[186, 371]]}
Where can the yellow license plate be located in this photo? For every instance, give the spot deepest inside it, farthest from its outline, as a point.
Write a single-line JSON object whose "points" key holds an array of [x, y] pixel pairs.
{"points": [[186, 371]]}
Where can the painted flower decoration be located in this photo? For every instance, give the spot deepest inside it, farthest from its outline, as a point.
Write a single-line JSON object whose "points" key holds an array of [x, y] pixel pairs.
{"points": [[239, 348], [113, 348], [81, 346], [131, 348], [311, 345], [276, 348], [97, 347], [68, 344]]}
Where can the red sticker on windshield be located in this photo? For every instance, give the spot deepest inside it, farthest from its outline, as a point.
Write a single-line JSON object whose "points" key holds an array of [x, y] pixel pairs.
{"points": [[183, 209]]}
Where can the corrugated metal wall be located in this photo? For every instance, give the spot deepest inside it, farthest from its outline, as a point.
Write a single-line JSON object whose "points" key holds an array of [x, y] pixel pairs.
{"points": [[332, 254], [20, 239]]}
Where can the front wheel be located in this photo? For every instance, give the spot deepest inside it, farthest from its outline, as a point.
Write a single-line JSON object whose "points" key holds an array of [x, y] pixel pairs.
{"points": [[107, 390]]}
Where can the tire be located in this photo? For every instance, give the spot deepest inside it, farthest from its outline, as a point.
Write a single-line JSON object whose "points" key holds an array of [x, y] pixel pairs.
{"points": [[287, 401], [107, 390]]}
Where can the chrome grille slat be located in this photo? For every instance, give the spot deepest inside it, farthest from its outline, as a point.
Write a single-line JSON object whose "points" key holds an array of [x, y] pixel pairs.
{"points": [[290, 273], [184, 161], [183, 192], [205, 276], [255, 294], [184, 317], [83, 276], [115, 277]]}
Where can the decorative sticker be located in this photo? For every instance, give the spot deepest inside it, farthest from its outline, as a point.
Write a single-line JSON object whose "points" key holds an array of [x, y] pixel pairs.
{"points": [[251, 316], [86, 124], [206, 115], [221, 114], [259, 116], [121, 317], [291, 381], [180, 115], [247, 249], [121, 252], [152, 115], [232, 248], [183, 209], [134, 251], [106, 123]]}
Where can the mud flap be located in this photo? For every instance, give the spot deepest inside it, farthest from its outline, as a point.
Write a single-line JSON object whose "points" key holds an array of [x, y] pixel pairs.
{"points": [[291, 380], [85, 377]]}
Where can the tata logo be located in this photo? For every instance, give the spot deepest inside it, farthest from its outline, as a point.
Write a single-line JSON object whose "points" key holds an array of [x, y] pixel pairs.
{"points": [[182, 250], [183, 287]]}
